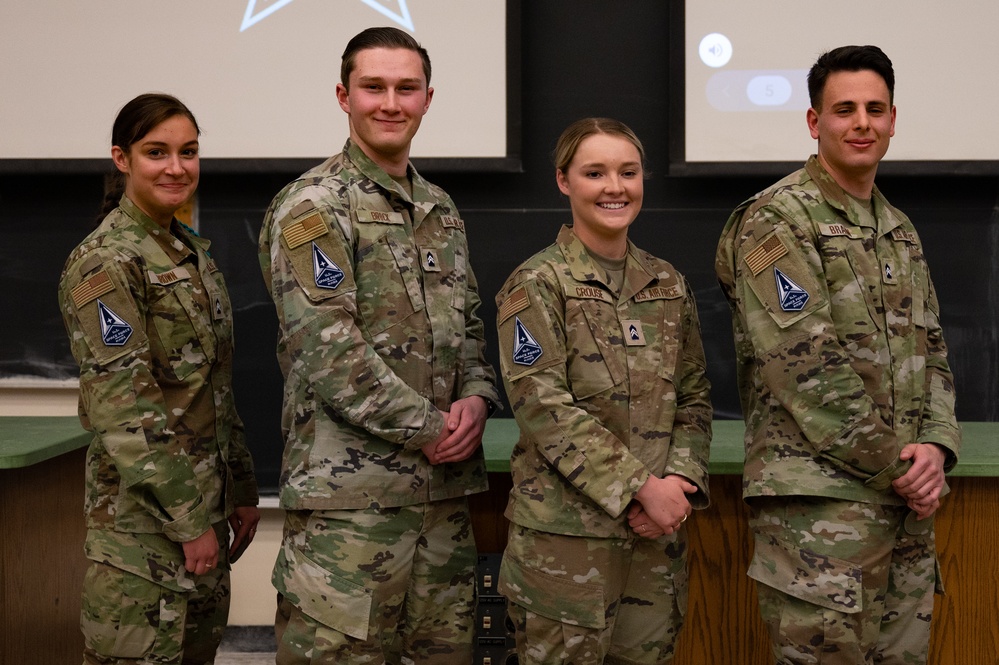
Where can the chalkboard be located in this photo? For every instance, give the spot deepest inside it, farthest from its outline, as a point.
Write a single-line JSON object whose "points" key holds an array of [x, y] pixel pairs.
{"points": [[605, 62]]}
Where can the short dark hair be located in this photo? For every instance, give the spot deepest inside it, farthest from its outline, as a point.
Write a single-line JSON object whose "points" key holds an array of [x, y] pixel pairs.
{"points": [[849, 59], [380, 38], [136, 119]]}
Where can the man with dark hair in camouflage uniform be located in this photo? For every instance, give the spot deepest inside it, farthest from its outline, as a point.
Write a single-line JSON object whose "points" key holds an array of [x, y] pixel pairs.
{"points": [[845, 387], [386, 386]]}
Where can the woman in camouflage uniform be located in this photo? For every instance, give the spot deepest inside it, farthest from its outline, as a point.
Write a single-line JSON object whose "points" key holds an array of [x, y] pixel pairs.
{"points": [[601, 354], [168, 471]]}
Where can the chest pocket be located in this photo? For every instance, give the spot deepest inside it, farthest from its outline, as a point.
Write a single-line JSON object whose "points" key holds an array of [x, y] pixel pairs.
{"points": [[180, 312], [853, 279], [388, 283], [459, 279], [670, 337], [593, 343]]}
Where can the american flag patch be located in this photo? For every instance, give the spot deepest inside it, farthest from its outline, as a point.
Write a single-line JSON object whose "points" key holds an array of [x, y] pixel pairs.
{"points": [[515, 302], [91, 288], [765, 254], [302, 232]]}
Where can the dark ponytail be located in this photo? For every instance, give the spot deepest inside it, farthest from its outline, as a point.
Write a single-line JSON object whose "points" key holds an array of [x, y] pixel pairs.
{"points": [[136, 119]]}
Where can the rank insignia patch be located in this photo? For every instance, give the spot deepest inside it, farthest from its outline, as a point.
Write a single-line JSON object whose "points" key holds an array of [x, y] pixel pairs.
{"points": [[889, 273], [328, 274], [792, 297], [634, 335], [114, 330], [430, 261], [219, 311], [526, 349]]}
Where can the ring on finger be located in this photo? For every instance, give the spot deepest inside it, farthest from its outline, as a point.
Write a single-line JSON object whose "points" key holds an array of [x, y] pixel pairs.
{"points": [[683, 519]]}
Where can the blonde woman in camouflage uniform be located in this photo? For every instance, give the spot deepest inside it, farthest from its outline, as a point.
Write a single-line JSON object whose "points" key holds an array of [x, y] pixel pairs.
{"points": [[387, 388], [168, 471], [846, 390], [601, 354]]}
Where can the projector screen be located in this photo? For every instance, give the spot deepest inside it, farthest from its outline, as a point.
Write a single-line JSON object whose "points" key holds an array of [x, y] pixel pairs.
{"points": [[259, 75], [741, 67]]}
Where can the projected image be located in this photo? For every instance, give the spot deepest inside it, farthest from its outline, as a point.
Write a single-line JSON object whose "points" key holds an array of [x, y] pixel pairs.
{"points": [[746, 64], [258, 11], [260, 75], [749, 89]]}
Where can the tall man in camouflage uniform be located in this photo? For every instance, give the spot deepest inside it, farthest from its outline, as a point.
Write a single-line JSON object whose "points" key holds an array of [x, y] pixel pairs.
{"points": [[386, 386], [845, 387]]}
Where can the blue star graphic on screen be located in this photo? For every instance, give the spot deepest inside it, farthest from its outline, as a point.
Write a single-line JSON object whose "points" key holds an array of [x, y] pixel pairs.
{"points": [[114, 330], [328, 274], [525, 348], [254, 15], [792, 297]]}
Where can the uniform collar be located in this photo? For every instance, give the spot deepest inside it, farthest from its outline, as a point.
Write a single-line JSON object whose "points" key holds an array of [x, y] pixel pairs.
{"points": [[168, 241], [422, 200], [886, 217], [637, 272]]}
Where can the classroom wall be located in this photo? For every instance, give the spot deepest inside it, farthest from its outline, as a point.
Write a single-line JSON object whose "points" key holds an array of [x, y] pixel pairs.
{"points": [[578, 59]]}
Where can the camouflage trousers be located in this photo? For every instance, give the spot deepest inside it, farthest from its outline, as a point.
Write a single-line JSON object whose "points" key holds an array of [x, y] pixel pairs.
{"points": [[389, 585], [586, 601], [127, 619], [842, 582]]}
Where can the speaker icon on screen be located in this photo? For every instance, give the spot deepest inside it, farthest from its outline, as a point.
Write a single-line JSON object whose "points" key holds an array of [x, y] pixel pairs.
{"points": [[715, 50]]}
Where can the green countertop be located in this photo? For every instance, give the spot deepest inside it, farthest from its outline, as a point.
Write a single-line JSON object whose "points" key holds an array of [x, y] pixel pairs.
{"points": [[27, 440]]}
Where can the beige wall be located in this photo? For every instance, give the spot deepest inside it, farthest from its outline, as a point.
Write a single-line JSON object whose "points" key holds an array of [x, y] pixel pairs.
{"points": [[253, 597]]}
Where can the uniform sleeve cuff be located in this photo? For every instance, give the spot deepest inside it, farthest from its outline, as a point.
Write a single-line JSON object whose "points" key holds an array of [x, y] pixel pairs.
{"points": [[190, 526], [432, 429]]}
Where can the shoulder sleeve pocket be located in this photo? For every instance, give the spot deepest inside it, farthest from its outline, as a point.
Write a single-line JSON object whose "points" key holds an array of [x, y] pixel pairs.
{"points": [[318, 256], [108, 317], [527, 338], [781, 280]]}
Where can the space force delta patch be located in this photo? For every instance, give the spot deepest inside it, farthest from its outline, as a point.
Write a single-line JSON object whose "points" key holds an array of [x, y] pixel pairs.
{"points": [[114, 330], [526, 349], [792, 297], [328, 274]]}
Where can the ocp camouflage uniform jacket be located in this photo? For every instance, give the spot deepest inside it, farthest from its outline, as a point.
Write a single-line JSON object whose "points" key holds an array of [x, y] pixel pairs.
{"points": [[606, 389], [841, 359], [376, 305], [150, 324]]}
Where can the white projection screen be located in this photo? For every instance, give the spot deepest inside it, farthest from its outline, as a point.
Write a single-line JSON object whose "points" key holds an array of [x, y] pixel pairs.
{"points": [[740, 68], [260, 75]]}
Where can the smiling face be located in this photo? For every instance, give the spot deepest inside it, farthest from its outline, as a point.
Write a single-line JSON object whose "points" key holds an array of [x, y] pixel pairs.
{"points": [[853, 127], [385, 101], [161, 168], [604, 184]]}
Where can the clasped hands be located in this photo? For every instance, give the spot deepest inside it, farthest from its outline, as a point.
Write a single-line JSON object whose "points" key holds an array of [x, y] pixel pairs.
{"points": [[660, 506]]}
